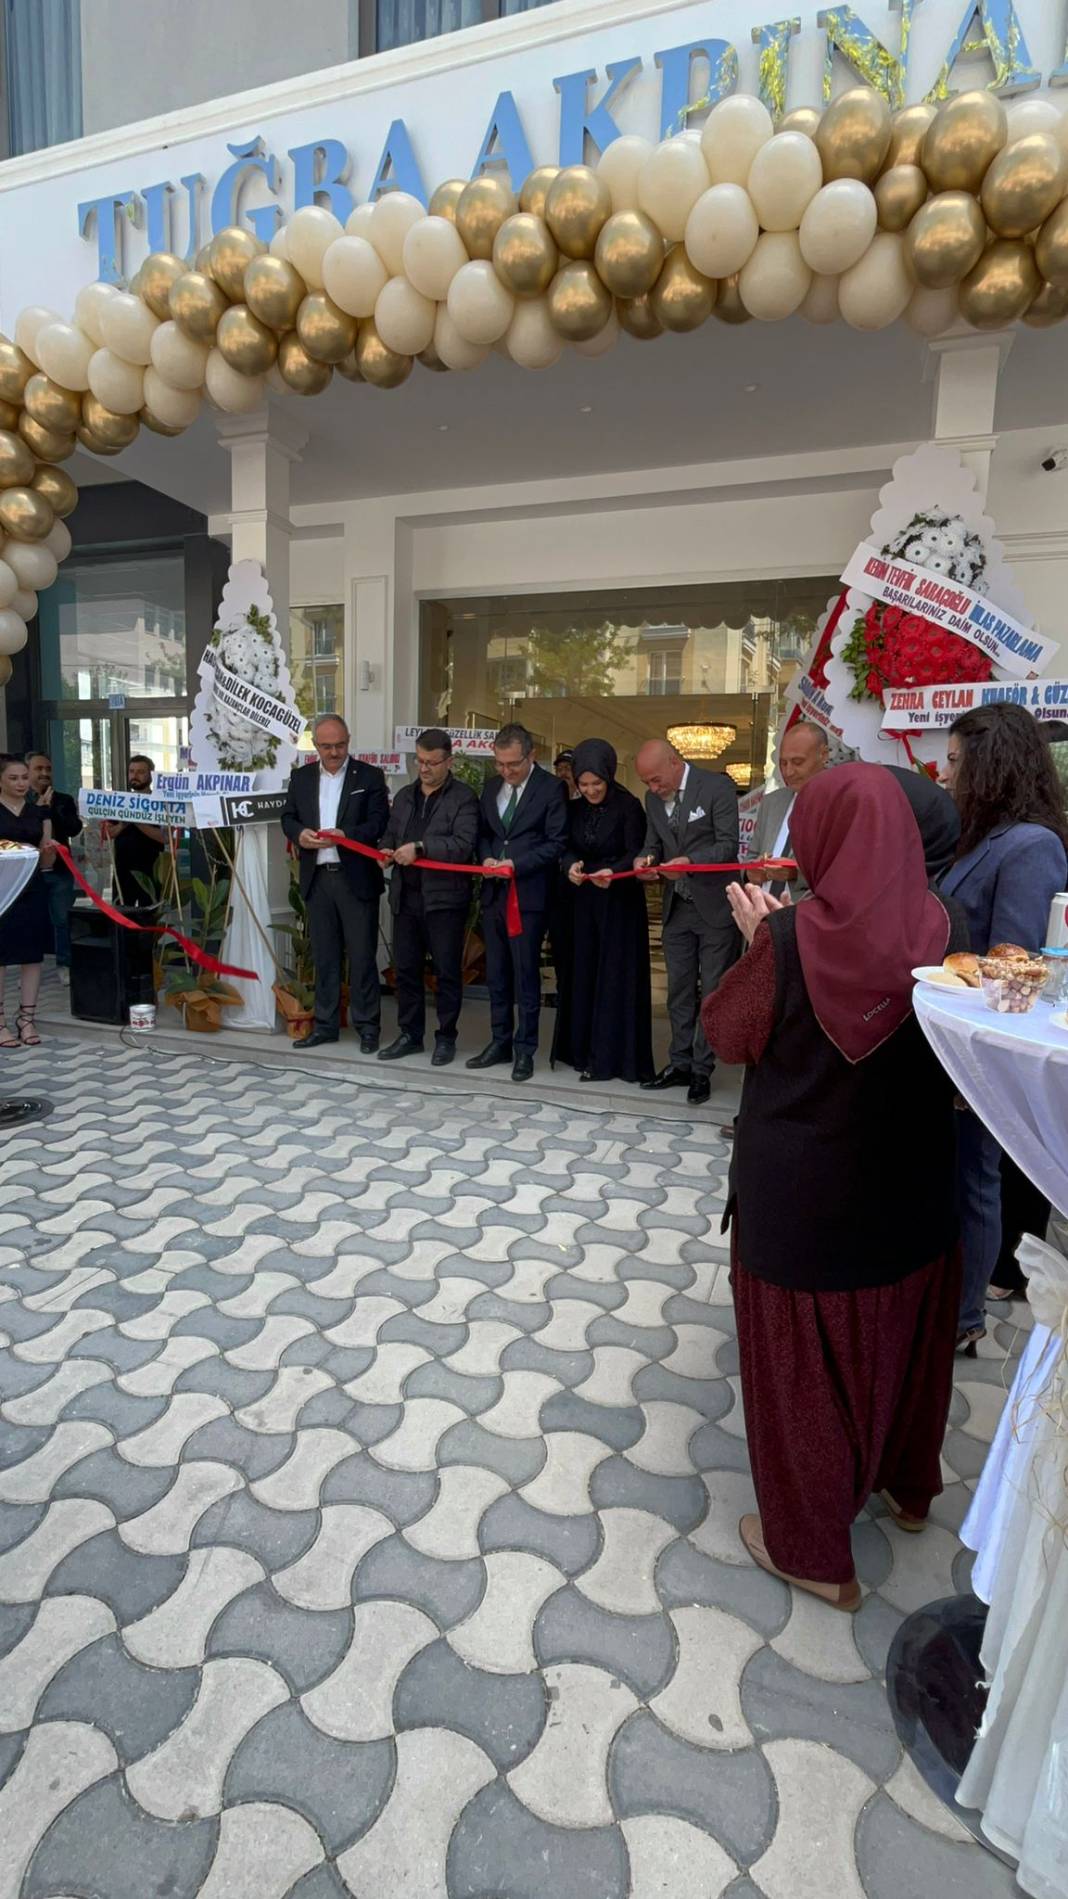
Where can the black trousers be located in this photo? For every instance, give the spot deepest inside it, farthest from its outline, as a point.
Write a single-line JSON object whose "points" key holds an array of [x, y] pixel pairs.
{"points": [[341, 923], [513, 972], [698, 956], [417, 934]]}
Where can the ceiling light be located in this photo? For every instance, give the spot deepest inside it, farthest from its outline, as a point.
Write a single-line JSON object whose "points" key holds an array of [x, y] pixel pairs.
{"points": [[586, 409], [750, 388], [443, 428], [742, 775], [701, 741]]}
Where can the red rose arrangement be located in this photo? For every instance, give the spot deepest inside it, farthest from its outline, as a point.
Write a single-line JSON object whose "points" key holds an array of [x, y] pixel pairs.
{"points": [[890, 647]]}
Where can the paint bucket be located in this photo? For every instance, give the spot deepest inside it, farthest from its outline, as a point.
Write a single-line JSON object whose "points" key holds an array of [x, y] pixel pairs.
{"points": [[142, 1016]]}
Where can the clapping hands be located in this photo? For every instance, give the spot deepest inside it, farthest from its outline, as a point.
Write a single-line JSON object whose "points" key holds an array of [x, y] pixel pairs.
{"points": [[750, 905]]}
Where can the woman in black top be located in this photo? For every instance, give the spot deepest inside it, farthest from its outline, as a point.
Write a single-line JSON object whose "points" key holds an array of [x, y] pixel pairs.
{"points": [[24, 926], [606, 1028]]}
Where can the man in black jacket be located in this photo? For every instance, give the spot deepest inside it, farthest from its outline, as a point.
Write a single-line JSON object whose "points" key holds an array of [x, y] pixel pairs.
{"points": [[523, 821], [340, 888], [436, 817], [66, 824]]}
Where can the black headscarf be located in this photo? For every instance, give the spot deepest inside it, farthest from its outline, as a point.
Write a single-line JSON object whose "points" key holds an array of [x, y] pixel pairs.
{"points": [[936, 815], [590, 822], [597, 756]]}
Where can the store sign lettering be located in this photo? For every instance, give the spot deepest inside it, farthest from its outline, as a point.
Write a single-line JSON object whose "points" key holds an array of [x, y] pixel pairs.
{"points": [[181, 216]]}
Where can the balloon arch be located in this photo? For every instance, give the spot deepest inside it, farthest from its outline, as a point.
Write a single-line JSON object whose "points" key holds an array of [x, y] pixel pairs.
{"points": [[933, 214]]}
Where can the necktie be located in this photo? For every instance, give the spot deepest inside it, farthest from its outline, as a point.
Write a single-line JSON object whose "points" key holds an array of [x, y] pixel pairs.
{"points": [[509, 811]]}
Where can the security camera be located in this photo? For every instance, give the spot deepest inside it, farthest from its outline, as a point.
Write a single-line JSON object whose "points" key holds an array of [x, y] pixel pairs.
{"points": [[1055, 462]]}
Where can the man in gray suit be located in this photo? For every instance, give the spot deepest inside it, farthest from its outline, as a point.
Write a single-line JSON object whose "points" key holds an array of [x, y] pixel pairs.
{"points": [[804, 752], [691, 818]]}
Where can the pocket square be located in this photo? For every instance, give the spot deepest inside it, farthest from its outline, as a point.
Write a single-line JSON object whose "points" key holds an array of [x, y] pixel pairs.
{"points": [[700, 812]]}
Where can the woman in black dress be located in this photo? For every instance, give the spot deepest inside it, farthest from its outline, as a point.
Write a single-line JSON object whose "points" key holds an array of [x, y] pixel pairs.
{"points": [[606, 1029], [24, 928]]}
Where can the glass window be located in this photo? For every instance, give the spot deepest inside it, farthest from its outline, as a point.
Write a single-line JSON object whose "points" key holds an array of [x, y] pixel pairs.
{"points": [[115, 627], [317, 662], [400, 22], [43, 59]]}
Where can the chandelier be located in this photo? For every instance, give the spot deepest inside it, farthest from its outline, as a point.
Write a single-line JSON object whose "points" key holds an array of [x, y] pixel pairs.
{"points": [[742, 775], [701, 741]]}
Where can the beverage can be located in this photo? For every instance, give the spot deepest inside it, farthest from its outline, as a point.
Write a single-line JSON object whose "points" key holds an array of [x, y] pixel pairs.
{"points": [[142, 1016], [1057, 933]]}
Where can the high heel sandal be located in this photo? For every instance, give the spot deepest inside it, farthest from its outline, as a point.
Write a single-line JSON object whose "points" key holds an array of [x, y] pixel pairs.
{"points": [[7, 1038], [24, 1023], [969, 1341]]}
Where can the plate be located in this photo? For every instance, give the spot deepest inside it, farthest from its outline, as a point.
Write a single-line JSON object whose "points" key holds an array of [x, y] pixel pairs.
{"points": [[1060, 1020], [927, 974]]}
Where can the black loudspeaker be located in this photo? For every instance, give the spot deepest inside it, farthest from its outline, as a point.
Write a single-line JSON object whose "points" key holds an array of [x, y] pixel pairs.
{"points": [[109, 967]]}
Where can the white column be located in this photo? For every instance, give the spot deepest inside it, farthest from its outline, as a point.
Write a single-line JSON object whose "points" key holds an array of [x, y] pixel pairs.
{"points": [[964, 371], [262, 450]]}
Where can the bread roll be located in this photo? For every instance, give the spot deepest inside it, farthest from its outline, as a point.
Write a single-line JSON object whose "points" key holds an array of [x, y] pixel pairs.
{"points": [[964, 965], [1009, 953]]}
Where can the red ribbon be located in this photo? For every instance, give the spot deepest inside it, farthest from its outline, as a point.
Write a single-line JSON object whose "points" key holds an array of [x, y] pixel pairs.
{"points": [[193, 950], [774, 864], [513, 917]]}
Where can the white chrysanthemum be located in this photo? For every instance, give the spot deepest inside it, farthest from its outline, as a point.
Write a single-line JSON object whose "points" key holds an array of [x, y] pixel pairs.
{"points": [[916, 551], [951, 540]]}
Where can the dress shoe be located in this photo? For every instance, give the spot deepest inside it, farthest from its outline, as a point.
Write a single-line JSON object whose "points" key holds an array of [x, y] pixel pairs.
{"points": [[403, 1045], [490, 1057], [315, 1040], [444, 1053], [522, 1067], [369, 1040], [699, 1090], [670, 1078]]}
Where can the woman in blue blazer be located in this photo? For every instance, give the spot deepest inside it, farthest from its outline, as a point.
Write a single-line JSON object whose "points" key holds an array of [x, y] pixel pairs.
{"points": [[1010, 864]]}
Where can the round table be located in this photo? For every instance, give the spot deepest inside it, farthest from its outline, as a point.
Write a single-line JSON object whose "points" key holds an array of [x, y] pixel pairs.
{"points": [[16, 868]]}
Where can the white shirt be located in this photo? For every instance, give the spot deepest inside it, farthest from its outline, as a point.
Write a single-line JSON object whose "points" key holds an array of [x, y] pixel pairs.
{"points": [[504, 796], [681, 792], [778, 849], [331, 784]]}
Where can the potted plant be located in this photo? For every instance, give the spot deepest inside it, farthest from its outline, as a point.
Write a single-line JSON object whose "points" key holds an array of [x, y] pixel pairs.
{"points": [[199, 996], [294, 992]]}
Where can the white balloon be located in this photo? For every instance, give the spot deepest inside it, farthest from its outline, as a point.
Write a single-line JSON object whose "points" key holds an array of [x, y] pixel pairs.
{"points": [[392, 217], [176, 407], [933, 312], [876, 291], [358, 222], [721, 231], [620, 166], [454, 349], [838, 226], [89, 308], [234, 393], [404, 320], [28, 325], [532, 341], [733, 134], [25, 604], [279, 244], [9, 585], [479, 304], [776, 280], [58, 540], [784, 178], [432, 254], [604, 340], [309, 234], [33, 565], [127, 326], [354, 275], [821, 303], [178, 358], [64, 351], [119, 386], [1033, 115], [13, 634], [670, 182]]}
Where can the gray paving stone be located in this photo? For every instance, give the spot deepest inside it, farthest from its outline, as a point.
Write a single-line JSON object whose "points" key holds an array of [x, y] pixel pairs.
{"points": [[111, 1347], [205, 1279], [15, 1619], [11, 1746], [965, 1454], [370, 1423], [780, 1700], [652, 1341], [16, 1376], [226, 1333], [440, 1381], [526, 1317], [617, 1425], [685, 1577], [339, 1786], [401, 1495], [20, 1323], [731, 1795], [116, 1300], [447, 1592], [499, 1847], [324, 1882], [526, 1354], [899, 1859], [874, 1627], [136, 1707], [504, 1714], [714, 1449], [127, 1489], [570, 1542], [104, 1843], [407, 1328], [17, 1520], [308, 1305], [228, 1382], [872, 1553], [516, 1459], [275, 1537], [304, 1645], [640, 1649], [335, 1407], [121, 1411], [130, 1584], [679, 1500], [254, 1453]]}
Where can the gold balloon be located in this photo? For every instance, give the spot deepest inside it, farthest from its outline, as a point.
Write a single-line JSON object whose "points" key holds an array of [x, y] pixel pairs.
{"points": [[1024, 185], [49, 445], [637, 316], [899, 194], [246, 343], [94, 444], [682, 298], [229, 255], [160, 428], [431, 360], [157, 274], [524, 255], [25, 514], [577, 204], [117, 431], [1049, 307], [481, 209], [298, 370], [446, 198], [382, 367], [202, 260], [1002, 287], [729, 306], [349, 367], [945, 240], [15, 371], [9, 414], [803, 118], [854, 135], [197, 305], [963, 141], [326, 332], [536, 189], [908, 129], [579, 304], [274, 291], [629, 254], [1051, 250], [57, 488], [51, 406], [16, 461]]}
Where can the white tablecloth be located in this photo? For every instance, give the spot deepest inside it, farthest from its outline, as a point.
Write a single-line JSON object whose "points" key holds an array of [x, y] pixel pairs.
{"points": [[16, 869]]}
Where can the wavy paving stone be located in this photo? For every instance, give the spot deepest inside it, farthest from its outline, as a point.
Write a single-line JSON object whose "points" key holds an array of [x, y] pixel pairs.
{"points": [[167, 1528], [564, 1779], [820, 1641], [567, 1328], [622, 1577], [482, 1349], [701, 1703], [355, 1702], [909, 1792], [922, 1569], [61, 1295], [500, 1847], [518, 1409], [132, 1854], [820, 1797], [670, 1857], [25, 1570], [280, 1406], [730, 1796], [362, 1326], [296, 1483], [175, 1635], [136, 1707], [383, 1381], [895, 1855], [160, 1322], [49, 1347], [446, 1591], [663, 1448], [405, 1850], [611, 1381], [44, 1403], [263, 1851], [158, 1377], [562, 1485], [450, 1529], [498, 1635], [344, 1279], [451, 1301], [513, 1524], [322, 1578], [340, 1787], [60, 1760], [62, 1627], [185, 1775], [34, 1479], [730, 1497], [640, 1650], [413, 1445], [162, 1443]]}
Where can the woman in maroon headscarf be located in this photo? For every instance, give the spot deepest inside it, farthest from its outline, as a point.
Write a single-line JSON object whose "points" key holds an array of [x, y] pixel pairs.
{"points": [[846, 1270]]}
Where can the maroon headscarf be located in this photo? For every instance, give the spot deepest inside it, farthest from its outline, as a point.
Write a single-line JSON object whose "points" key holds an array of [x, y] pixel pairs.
{"points": [[871, 917]]}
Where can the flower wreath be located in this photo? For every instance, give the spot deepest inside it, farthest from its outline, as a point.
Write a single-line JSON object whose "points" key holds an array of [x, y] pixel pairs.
{"points": [[249, 651], [890, 647]]}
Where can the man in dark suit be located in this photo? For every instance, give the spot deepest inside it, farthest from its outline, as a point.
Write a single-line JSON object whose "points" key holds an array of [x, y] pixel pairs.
{"points": [[523, 821], [66, 825], [692, 818], [341, 890], [437, 817]]}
